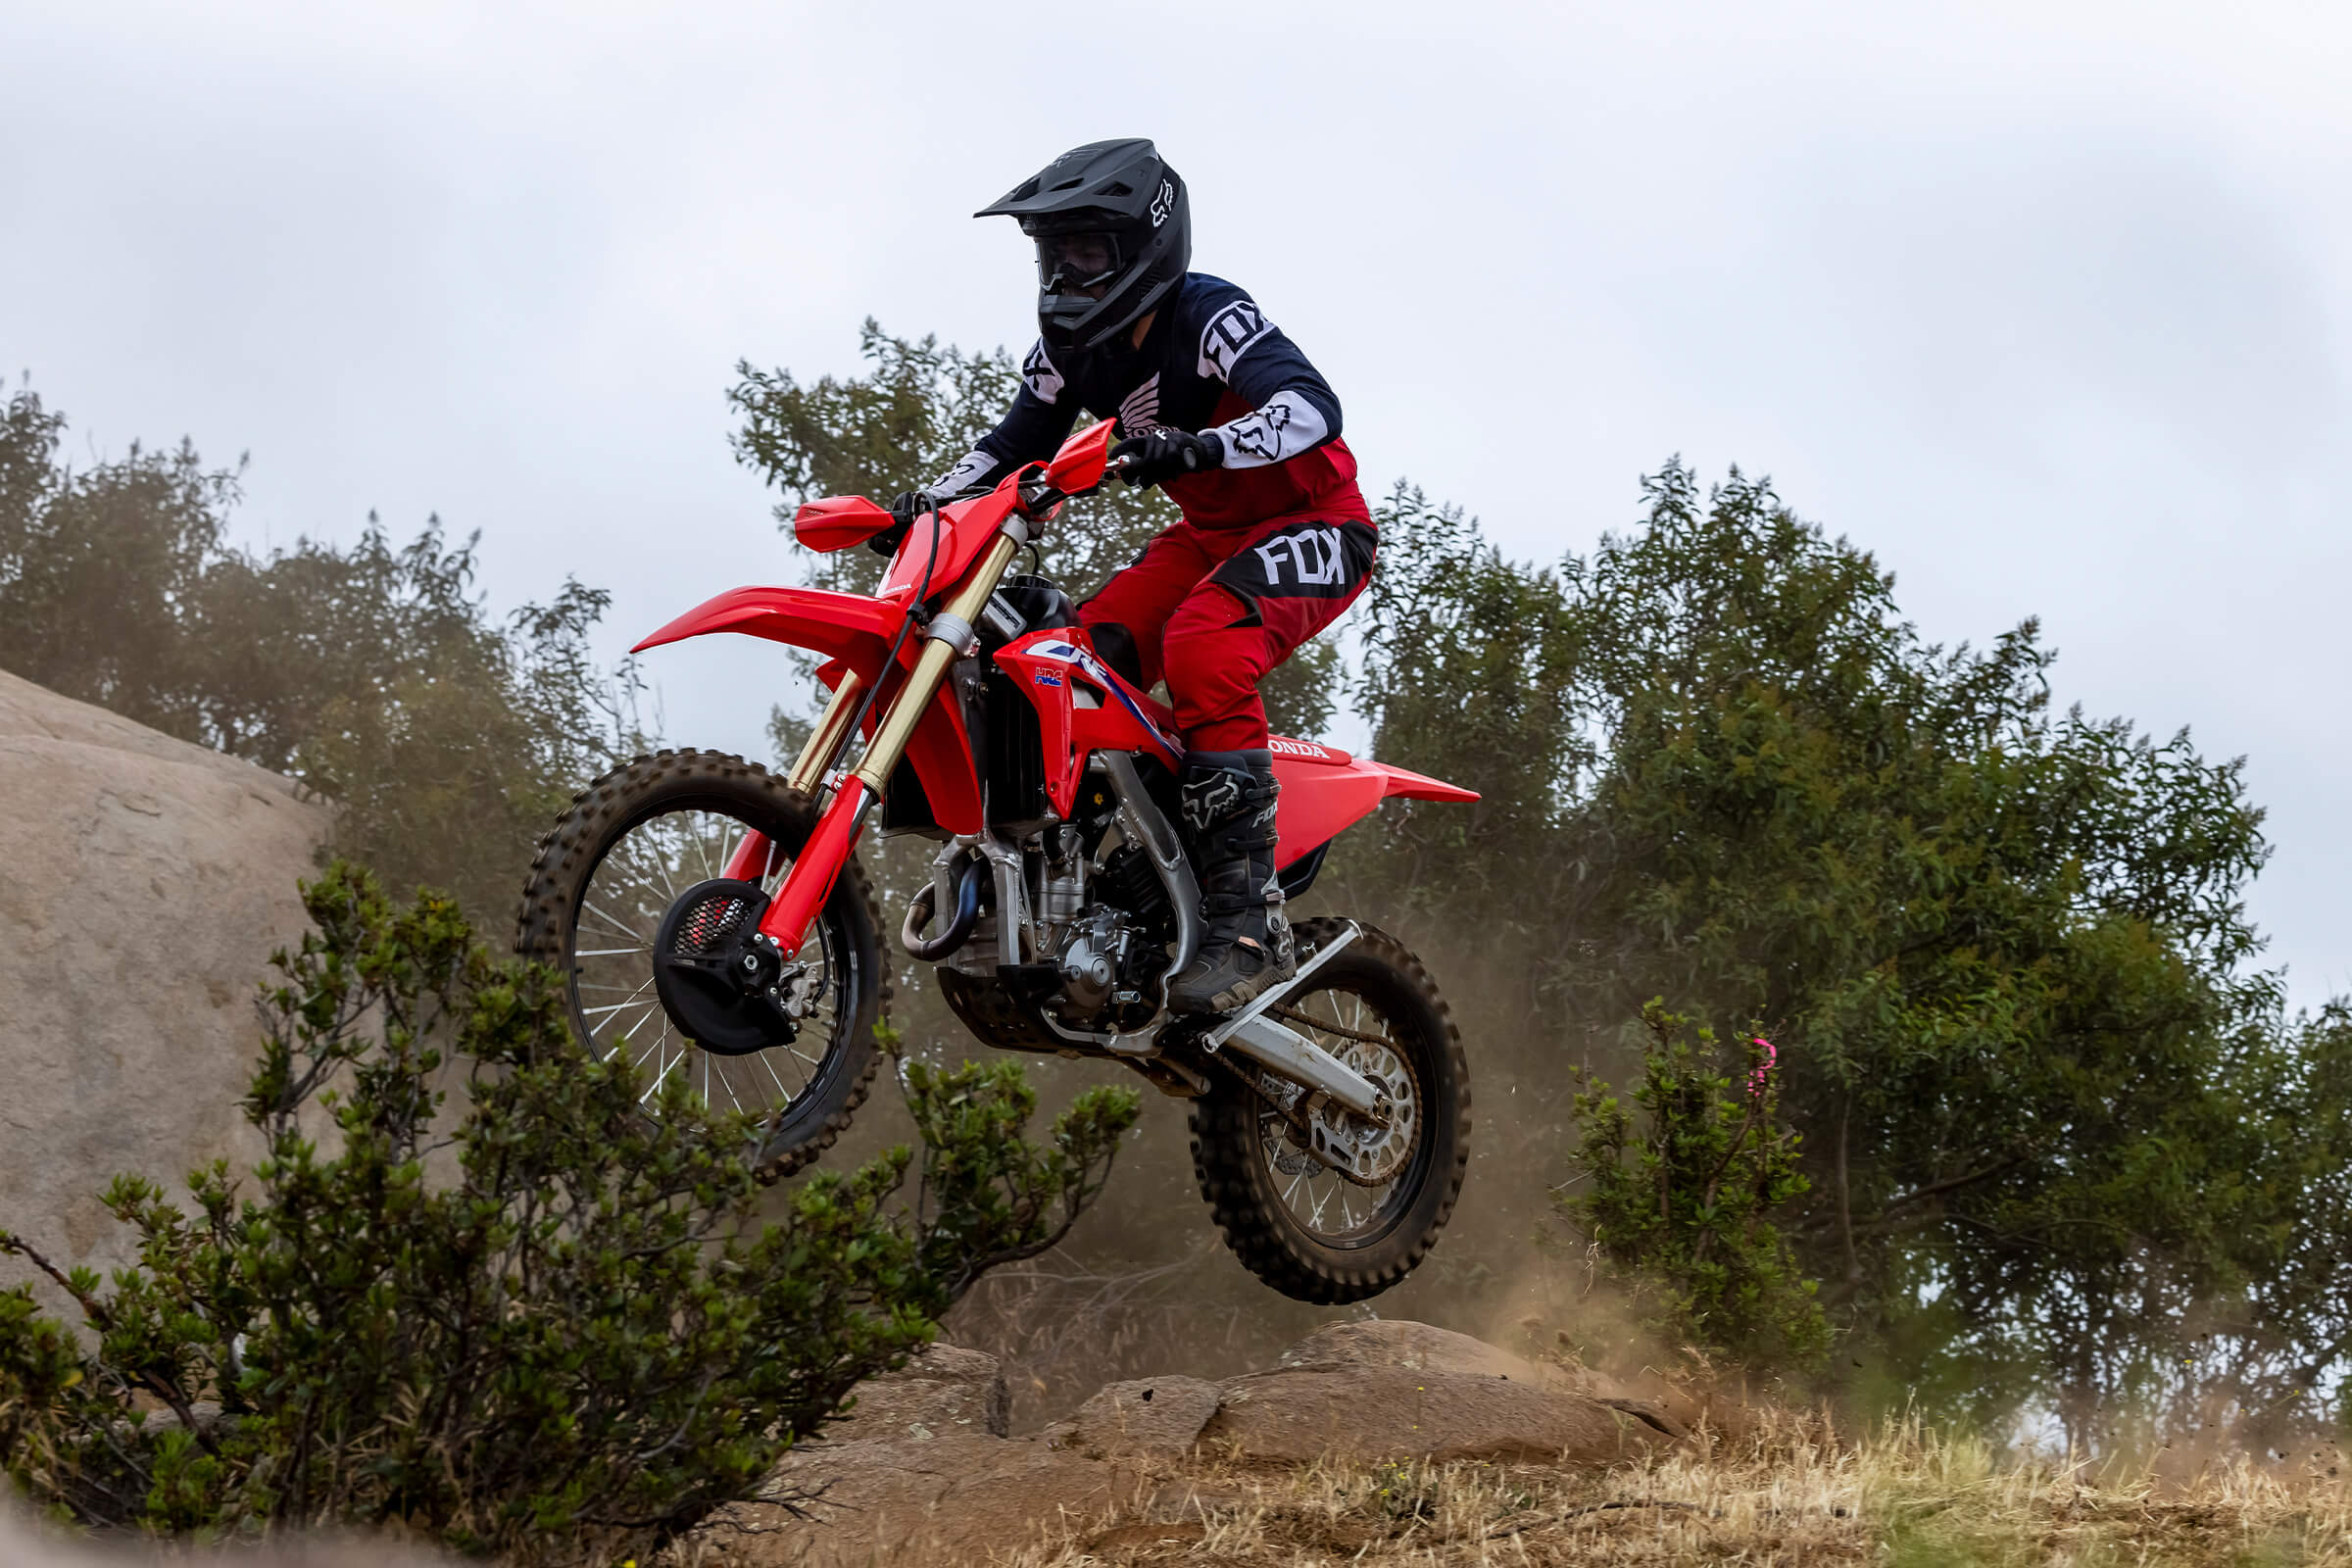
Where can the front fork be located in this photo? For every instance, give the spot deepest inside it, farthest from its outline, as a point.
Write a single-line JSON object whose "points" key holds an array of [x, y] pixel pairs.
{"points": [[810, 882]]}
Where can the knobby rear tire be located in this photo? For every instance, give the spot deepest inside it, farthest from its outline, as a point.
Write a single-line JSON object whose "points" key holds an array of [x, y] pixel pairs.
{"points": [[1245, 1196], [603, 813]]}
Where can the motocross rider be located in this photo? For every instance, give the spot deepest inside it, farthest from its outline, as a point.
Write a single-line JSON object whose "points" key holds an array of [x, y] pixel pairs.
{"points": [[1222, 410]]}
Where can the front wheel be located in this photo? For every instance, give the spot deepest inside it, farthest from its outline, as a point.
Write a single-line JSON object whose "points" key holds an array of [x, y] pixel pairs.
{"points": [[626, 894], [1307, 1230]]}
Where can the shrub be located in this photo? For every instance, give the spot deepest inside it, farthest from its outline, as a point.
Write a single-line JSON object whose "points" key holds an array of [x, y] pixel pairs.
{"points": [[542, 1325], [1683, 1220]]}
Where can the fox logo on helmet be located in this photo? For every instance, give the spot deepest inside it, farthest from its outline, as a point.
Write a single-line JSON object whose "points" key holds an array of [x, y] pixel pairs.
{"points": [[1163, 203]]}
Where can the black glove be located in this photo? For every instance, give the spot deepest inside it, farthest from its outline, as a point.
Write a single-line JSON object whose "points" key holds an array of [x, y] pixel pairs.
{"points": [[909, 504], [1162, 454]]}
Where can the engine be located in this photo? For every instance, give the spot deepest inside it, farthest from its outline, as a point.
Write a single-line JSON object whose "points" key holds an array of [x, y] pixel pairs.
{"points": [[1093, 945]]}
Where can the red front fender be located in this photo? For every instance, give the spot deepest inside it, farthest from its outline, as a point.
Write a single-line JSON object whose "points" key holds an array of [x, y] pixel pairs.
{"points": [[857, 631], [847, 626]]}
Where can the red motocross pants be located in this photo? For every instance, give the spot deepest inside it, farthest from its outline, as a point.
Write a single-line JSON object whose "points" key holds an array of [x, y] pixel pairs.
{"points": [[1212, 611]]}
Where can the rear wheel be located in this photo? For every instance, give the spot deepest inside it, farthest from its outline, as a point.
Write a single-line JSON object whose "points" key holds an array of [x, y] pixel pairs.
{"points": [[625, 902], [1305, 1229]]}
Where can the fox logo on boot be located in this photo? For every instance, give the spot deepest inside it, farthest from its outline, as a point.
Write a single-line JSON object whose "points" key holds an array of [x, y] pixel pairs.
{"points": [[1208, 800]]}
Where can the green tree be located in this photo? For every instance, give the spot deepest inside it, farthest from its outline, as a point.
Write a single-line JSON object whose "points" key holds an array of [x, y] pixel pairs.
{"points": [[1680, 1206], [546, 1326], [375, 674], [2037, 1065]]}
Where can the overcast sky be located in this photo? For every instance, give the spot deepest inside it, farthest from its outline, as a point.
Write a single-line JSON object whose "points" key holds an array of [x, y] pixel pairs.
{"points": [[2044, 304]]}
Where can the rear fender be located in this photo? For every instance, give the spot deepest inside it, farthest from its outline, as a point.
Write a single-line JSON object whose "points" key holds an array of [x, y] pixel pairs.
{"points": [[1324, 791], [852, 632]]}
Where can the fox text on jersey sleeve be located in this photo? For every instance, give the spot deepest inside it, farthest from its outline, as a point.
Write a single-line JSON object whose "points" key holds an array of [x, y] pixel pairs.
{"points": [[1228, 334]]}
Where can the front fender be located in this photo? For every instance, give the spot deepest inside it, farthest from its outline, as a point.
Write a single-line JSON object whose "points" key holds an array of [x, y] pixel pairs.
{"points": [[857, 631], [848, 627]]}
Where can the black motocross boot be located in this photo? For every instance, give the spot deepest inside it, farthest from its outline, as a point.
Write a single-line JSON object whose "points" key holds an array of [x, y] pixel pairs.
{"points": [[1229, 821]]}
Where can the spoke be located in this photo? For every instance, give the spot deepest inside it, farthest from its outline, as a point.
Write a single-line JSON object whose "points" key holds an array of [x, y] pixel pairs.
{"points": [[620, 926], [665, 900], [598, 928], [625, 1034], [668, 1063], [771, 1072], [609, 952]]}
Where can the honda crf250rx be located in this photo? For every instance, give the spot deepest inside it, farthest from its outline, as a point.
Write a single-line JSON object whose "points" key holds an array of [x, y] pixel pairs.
{"points": [[712, 922]]}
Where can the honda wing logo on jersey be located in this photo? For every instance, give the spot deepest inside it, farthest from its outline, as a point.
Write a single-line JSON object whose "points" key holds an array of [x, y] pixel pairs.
{"points": [[1039, 376], [1230, 332], [1313, 555], [1140, 410]]}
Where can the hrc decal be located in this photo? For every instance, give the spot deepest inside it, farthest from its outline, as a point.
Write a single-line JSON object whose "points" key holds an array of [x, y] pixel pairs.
{"points": [[1228, 334], [1041, 678]]}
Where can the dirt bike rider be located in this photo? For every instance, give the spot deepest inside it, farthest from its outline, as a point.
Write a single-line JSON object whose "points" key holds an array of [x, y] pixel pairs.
{"points": [[1222, 410]]}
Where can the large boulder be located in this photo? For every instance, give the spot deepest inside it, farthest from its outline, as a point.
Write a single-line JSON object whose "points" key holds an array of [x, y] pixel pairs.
{"points": [[143, 884], [943, 1390], [1407, 1391], [1160, 1416], [901, 1480]]}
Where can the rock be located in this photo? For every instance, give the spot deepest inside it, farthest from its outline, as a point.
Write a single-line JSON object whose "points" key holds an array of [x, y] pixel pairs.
{"points": [[1406, 1390], [143, 884], [945, 1388], [1415, 1347], [962, 1495], [1358, 1391], [1149, 1416]]}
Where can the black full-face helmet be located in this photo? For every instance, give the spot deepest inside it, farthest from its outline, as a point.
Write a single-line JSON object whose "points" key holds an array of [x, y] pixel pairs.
{"points": [[1113, 232]]}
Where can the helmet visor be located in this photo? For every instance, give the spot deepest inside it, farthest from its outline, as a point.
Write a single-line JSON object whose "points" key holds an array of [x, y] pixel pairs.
{"points": [[1081, 263]]}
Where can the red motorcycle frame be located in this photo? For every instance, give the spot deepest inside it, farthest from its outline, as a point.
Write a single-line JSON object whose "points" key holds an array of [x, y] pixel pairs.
{"points": [[893, 688]]}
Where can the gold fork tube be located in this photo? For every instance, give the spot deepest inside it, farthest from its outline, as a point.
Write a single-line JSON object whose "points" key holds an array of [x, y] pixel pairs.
{"points": [[906, 708], [824, 741]]}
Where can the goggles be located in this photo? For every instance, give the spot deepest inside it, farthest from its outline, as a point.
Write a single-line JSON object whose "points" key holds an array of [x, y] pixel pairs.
{"points": [[1081, 263]]}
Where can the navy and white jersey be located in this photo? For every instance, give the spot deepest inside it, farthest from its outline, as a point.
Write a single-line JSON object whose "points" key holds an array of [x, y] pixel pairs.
{"points": [[1212, 364]]}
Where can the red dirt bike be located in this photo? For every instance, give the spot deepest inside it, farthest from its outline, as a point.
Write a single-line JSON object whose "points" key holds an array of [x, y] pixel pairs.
{"points": [[711, 918]]}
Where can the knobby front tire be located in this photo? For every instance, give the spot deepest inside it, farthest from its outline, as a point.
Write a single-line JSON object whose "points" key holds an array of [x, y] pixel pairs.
{"points": [[627, 846], [1304, 1229]]}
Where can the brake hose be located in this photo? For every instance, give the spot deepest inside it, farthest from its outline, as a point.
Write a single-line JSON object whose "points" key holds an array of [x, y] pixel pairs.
{"points": [[914, 608]]}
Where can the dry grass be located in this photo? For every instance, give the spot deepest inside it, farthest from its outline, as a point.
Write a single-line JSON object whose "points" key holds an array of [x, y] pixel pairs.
{"points": [[1904, 1499]]}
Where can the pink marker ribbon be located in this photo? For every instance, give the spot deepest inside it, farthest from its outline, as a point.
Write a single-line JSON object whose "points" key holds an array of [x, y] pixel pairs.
{"points": [[1755, 1080]]}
